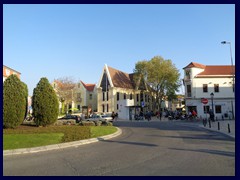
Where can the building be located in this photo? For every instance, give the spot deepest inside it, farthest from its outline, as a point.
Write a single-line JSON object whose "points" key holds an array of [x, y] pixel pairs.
{"points": [[81, 97], [202, 81], [9, 71], [119, 92]]}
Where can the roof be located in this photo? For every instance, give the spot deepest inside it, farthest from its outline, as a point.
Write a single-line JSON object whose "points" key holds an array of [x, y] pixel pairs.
{"points": [[224, 70], [196, 65], [121, 79], [89, 87]]}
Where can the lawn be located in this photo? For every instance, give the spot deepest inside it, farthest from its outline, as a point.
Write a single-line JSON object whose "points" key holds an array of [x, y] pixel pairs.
{"points": [[26, 137]]}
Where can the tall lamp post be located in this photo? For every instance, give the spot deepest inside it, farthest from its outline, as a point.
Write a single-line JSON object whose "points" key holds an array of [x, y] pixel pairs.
{"points": [[233, 76], [212, 95]]}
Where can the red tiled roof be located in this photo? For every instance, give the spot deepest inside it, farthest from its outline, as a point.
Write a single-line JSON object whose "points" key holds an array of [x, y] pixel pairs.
{"points": [[121, 79], [89, 87], [194, 64], [217, 70]]}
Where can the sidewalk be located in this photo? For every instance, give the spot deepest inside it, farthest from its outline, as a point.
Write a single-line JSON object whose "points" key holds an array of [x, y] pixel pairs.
{"points": [[223, 124], [222, 127]]}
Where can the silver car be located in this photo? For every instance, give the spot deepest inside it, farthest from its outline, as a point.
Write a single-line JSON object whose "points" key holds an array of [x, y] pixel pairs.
{"points": [[98, 117]]}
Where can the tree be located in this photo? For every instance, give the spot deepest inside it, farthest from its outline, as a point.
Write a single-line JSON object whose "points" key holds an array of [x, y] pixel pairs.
{"points": [[44, 103], [64, 88], [14, 102], [160, 75]]}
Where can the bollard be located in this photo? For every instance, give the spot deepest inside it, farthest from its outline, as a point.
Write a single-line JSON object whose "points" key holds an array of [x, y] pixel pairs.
{"points": [[218, 125], [229, 128]]}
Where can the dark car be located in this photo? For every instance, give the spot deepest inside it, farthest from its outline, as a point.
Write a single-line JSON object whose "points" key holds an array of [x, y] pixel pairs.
{"points": [[68, 117]]}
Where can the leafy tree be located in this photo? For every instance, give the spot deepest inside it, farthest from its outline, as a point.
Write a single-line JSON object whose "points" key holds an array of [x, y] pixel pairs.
{"points": [[161, 76], [64, 89], [14, 102], [44, 103]]}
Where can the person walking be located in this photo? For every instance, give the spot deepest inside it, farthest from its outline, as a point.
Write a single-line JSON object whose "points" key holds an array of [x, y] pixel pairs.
{"points": [[113, 115]]}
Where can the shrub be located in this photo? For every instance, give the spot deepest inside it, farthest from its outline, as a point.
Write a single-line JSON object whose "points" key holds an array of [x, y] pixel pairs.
{"points": [[75, 133], [44, 103], [87, 123], [14, 102], [104, 123]]}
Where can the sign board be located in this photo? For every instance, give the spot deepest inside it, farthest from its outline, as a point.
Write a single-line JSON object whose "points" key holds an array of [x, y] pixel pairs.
{"points": [[143, 104], [204, 100]]}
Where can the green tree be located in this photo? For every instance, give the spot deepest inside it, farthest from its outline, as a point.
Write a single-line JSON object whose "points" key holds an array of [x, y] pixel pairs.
{"points": [[162, 77], [44, 103], [14, 102]]}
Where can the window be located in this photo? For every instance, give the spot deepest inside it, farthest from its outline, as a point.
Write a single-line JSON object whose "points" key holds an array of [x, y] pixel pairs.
{"points": [[218, 109], [187, 74], [90, 96], [216, 87], [189, 94], [103, 109], [107, 95], [206, 109], [78, 106], [107, 107], [205, 88], [117, 106], [117, 96], [124, 96], [131, 96], [103, 95]]}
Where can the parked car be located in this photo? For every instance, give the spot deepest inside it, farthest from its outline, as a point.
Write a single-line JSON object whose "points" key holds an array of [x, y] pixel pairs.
{"points": [[98, 117], [68, 117]]}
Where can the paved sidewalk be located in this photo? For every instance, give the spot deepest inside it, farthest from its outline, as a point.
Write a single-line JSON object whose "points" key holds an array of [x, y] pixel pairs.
{"points": [[61, 145], [226, 127]]}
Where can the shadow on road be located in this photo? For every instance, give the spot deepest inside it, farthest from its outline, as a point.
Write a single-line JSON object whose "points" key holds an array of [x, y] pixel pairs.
{"points": [[131, 143], [222, 153]]}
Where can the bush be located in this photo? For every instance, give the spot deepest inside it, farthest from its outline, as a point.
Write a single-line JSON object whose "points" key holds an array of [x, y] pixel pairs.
{"points": [[14, 102], [104, 123], [44, 103], [75, 133], [87, 123]]}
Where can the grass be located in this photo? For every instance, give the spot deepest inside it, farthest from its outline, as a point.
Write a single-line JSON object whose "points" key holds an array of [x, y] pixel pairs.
{"points": [[15, 141], [97, 131], [28, 136]]}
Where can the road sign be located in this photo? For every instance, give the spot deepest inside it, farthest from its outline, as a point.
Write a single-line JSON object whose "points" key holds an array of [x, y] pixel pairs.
{"points": [[204, 100]]}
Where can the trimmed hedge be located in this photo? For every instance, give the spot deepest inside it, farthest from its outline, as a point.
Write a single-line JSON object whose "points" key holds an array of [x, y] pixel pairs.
{"points": [[44, 103], [14, 102]]}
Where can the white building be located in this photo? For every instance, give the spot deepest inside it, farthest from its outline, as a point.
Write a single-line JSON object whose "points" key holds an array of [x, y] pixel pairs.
{"points": [[118, 92], [202, 80]]}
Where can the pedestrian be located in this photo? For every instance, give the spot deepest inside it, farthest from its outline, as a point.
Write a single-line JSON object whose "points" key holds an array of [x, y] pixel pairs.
{"points": [[113, 115], [116, 116]]}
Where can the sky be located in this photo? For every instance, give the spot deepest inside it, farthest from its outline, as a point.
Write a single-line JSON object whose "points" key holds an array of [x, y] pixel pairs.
{"points": [[76, 41]]}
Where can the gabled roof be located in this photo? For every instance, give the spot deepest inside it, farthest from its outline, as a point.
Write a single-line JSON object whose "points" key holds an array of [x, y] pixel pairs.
{"points": [[89, 87], [121, 79], [196, 65], [217, 71]]}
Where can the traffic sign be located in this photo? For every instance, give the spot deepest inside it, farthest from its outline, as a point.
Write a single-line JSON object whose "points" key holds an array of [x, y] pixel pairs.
{"points": [[204, 100]]}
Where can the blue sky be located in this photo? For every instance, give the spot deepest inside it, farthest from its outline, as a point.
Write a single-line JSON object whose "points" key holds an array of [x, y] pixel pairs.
{"points": [[76, 41]]}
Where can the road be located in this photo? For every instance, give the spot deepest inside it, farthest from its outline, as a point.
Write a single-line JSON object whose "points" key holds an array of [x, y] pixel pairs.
{"points": [[143, 149]]}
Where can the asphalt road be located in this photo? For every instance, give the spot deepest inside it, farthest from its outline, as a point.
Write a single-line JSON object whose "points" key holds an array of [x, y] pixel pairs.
{"points": [[143, 149]]}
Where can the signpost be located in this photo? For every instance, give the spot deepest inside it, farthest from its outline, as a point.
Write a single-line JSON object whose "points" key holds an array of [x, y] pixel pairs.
{"points": [[205, 101]]}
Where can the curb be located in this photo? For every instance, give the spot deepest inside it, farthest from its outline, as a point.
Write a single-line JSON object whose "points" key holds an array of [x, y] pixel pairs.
{"points": [[61, 145]]}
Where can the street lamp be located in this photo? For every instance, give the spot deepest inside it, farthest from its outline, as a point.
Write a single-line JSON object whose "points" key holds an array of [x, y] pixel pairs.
{"points": [[212, 95], [233, 76]]}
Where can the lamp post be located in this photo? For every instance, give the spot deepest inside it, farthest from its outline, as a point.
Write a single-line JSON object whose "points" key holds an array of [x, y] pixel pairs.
{"points": [[212, 95], [233, 76]]}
